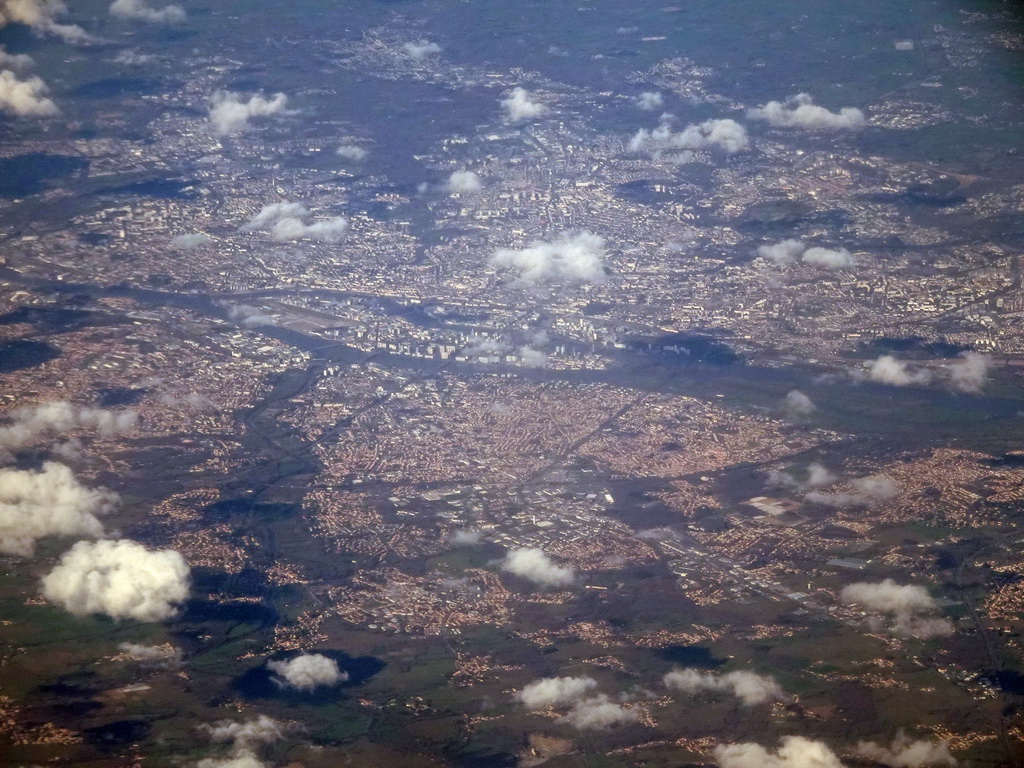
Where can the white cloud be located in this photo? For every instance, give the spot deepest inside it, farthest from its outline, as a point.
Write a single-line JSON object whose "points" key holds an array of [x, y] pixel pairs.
{"points": [[463, 183], [520, 105], [799, 404], [727, 135], [906, 753], [191, 242], [888, 370], [532, 358], [25, 98], [800, 111], [261, 730], [599, 712], [139, 10], [351, 152], [463, 537], [48, 502], [795, 752], [650, 101], [250, 317], [787, 253], [555, 692], [27, 426], [420, 50], [969, 373], [286, 221], [534, 565], [245, 738], [829, 258], [749, 687], [121, 579], [41, 16], [307, 672], [229, 114], [159, 655], [784, 253], [14, 61], [572, 256], [908, 604], [866, 492]]}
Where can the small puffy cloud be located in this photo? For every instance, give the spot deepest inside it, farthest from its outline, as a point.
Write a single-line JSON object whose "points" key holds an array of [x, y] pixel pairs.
{"points": [[572, 256], [799, 404], [784, 253], [532, 358], [788, 252], [463, 183], [121, 579], [139, 10], [969, 372], [421, 49], [749, 687], [230, 114], [555, 692], [250, 317], [25, 98], [250, 734], [727, 135], [908, 604], [795, 752], [165, 655], [14, 61], [650, 101], [865, 492], [191, 242], [907, 753], [41, 16], [463, 537], [886, 369], [828, 258], [245, 738], [534, 565], [520, 105], [287, 221], [307, 672], [800, 111], [351, 152], [27, 426], [598, 713], [48, 502]]}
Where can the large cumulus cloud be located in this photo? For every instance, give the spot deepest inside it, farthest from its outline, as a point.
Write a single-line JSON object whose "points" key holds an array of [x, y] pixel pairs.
{"points": [[140, 10], [800, 111], [534, 565], [726, 135], [48, 502], [230, 113], [121, 579], [289, 221], [576, 257], [795, 752], [584, 707], [749, 687], [520, 105], [904, 752], [788, 252], [41, 16], [25, 98], [307, 672], [911, 607], [27, 426]]}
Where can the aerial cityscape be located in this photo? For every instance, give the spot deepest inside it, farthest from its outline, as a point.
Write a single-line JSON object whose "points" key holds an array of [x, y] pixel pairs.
{"points": [[468, 384]]}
